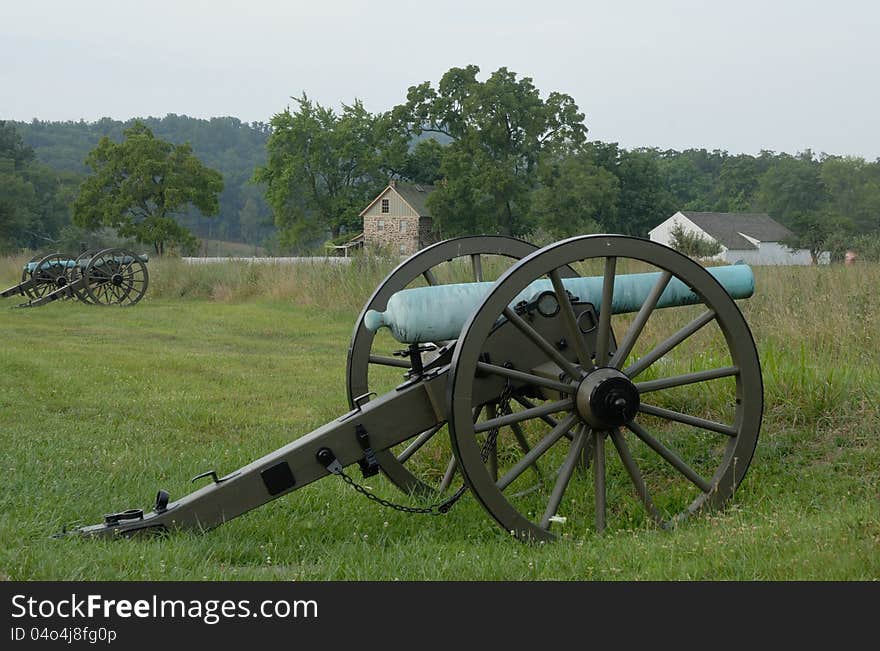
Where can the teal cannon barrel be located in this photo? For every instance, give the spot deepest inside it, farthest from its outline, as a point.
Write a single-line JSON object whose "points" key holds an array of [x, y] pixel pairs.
{"points": [[438, 313]]}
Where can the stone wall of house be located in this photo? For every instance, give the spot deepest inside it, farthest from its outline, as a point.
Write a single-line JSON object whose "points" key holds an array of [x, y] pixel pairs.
{"points": [[385, 232], [427, 236]]}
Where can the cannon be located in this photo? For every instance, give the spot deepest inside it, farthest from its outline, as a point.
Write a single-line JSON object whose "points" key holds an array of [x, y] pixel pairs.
{"points": [[107, 277], [590, 339]]}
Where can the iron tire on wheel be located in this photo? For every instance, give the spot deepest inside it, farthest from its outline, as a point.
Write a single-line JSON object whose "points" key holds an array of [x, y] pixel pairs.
{"points": [[732, 455]]}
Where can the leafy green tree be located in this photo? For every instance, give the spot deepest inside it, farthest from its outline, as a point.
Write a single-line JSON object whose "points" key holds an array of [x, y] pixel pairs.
{"points": [[140, 184], [498, 131], [323, 167], [575, 196], [643, 202], [853, 188], [816, 231], [791, 187], [692, 244], [34, 200]]}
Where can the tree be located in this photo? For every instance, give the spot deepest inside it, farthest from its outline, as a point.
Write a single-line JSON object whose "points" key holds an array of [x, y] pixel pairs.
{"points": [[324, 167], [790, 187], [575, 197], [498, 131], [816, 231], [692, 243], [34, 200], [643, 202], [138, 186], [853, 188]]}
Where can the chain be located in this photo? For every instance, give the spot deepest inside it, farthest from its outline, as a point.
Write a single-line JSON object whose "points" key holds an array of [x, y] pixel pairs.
{"points": [[442, 507]]}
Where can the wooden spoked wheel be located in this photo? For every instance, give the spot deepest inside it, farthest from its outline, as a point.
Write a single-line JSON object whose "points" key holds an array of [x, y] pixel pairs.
{"points": [[423, 464], [116, 277], [50, 274], [679, 396]]}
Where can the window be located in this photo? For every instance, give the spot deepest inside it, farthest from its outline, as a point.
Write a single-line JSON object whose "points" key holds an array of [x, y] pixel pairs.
{"points": [[403, 224], [403, 249], [380, 225], [385, 206]]}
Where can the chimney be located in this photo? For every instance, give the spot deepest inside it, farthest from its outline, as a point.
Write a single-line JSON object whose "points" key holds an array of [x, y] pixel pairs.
{"points": [[393, 183]]}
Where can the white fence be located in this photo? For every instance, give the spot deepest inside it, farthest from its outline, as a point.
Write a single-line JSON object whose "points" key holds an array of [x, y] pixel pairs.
{"points": [[303, 260]]}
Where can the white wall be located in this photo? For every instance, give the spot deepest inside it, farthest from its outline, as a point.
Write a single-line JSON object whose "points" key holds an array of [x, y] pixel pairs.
{"points": [[767, 253], [773, 253], [663, 232]]}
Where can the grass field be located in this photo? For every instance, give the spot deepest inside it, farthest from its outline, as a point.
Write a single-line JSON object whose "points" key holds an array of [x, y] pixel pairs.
{"points": [[219, 365]]}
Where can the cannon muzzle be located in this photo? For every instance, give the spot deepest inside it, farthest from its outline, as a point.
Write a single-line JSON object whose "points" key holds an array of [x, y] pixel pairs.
{"points": [[439, 312]]}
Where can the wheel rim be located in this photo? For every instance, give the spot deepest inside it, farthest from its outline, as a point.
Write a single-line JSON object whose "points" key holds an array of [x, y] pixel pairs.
{"points": [[76, 276], [116, 277], [26, 275], [475, 255], [673, 470]]}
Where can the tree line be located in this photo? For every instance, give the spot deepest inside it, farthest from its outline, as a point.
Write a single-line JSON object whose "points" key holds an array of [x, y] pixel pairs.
{"points": [[503, 157]]}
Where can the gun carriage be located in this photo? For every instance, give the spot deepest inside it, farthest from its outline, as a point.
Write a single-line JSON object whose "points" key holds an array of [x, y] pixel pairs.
{"points": [[106, 277], [529, 380]]}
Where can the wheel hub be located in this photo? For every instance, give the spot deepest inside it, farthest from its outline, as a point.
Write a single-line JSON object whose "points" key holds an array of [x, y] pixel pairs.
{"points": [[606, 398], [116, 279]]}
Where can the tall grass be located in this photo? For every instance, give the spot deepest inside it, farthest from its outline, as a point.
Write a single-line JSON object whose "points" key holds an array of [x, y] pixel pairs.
{"points": [[222, 363]]}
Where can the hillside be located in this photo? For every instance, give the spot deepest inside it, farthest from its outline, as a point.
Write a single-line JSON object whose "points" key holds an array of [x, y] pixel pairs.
{"points": [[227, 144]]}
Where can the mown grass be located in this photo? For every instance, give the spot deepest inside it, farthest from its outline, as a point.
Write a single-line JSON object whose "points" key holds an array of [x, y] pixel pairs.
{"points": [[218, 365]]}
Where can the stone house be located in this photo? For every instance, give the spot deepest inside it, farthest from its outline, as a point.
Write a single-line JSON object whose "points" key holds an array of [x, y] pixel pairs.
{"points": [[398, 220], [754, 238]]}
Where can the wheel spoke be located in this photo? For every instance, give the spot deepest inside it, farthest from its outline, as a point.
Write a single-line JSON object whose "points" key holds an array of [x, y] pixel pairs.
{"points": [[670, 343], [492, 461], [389, 361], [635, 475], [524, 444], [574, 333], [565, 473], [525, 414], [603, 334], [449, 474], [421, 439], [536, 338], [687, 378], [687, 419], [430, 277], [540, 448], [513, 374], [477, 266], [669, 456], [638, 324], [599, 478]]}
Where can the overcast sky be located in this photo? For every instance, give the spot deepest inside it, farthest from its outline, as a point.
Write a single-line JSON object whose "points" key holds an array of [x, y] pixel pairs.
{"points": [[741, 75]]}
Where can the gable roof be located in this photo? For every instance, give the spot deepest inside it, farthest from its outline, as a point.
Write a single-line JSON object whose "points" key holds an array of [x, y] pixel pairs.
{"points": [[414, 194], [729, 227]]}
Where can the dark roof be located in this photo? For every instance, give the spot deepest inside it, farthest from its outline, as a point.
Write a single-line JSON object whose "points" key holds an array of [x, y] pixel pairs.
{"points": [[727, 226], [415, 195]]}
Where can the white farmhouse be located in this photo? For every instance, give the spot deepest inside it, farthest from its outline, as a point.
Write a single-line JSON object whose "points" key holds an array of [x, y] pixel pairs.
{"points": [[754, 238]]}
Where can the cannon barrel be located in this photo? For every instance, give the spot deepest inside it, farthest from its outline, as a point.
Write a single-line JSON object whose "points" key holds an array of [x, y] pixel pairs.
{"points": [[439, 312]]}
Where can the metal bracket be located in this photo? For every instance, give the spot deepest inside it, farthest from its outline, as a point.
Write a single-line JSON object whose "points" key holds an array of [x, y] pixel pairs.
{"points": [[369, 464], [327, 459]]}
